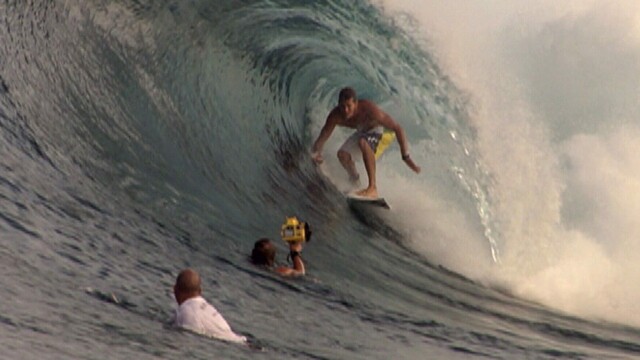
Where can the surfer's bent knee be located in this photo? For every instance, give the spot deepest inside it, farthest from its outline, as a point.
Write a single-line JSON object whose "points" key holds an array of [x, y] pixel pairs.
{"points": [[343, 155]]}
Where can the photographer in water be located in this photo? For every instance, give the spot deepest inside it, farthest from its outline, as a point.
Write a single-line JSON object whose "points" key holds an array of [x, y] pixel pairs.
{"points": [[295, 233]]}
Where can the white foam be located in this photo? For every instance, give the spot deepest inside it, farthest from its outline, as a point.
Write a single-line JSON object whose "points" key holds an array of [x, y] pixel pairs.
{"points": [[555, 84]]}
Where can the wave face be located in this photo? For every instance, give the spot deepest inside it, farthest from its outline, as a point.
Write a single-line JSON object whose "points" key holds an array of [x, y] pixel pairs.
{"points": [[140, 137]]}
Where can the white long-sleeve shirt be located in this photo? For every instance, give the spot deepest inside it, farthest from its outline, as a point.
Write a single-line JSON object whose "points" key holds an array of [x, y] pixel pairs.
{"points": [[197, 315]]}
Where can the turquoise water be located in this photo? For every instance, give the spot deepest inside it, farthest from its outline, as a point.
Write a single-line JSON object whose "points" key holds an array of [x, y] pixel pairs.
{"points": [[139, 138]]}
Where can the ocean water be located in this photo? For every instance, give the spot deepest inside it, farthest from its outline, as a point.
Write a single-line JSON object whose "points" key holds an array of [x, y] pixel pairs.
{"points": [[141, 137]]}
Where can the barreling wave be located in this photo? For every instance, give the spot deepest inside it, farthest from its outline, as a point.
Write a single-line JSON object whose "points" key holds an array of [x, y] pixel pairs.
{"points": [[140, 137], [211, 102]]}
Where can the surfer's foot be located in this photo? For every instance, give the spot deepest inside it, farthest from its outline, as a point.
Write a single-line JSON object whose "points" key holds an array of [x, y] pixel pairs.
{"points": [[368, 192]]}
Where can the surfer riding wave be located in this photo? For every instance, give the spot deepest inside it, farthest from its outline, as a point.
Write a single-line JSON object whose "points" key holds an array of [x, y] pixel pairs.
{"points": [[369, 121]]}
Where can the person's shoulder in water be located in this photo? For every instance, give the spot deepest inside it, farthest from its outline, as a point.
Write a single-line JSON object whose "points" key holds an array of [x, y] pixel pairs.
{"points": [[194, 313]]}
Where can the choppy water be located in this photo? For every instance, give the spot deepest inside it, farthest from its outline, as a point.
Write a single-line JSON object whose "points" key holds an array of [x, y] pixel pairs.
{"points": [[138, 138]]}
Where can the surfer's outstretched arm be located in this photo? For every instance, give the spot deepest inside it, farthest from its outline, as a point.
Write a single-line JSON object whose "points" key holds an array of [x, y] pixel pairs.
{"points": [[325, 133], [388, 122], [404, 150]]}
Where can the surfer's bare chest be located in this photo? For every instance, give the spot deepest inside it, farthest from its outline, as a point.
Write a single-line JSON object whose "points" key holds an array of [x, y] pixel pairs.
{"points": [[360, 121]]}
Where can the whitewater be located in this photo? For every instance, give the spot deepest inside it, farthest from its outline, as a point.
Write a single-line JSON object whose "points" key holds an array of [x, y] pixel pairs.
{"points": [[138, 138]]}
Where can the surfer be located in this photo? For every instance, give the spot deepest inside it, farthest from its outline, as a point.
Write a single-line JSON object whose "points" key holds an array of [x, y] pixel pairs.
{"points": [[369, 121]]}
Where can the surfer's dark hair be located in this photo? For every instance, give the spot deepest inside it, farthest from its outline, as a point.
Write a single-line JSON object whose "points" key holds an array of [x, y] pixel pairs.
{"points": [[264, 253], [346, 94]]}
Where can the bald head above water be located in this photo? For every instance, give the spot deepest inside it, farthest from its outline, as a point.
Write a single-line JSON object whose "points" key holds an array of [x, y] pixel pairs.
{"points": [[187, 285]]}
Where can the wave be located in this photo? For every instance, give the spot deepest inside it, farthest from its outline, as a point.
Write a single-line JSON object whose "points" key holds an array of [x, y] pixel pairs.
{"points": [[143, 137]]}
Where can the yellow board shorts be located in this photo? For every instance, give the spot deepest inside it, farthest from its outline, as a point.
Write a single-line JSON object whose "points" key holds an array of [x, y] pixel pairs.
{"points": [[377, 138]]}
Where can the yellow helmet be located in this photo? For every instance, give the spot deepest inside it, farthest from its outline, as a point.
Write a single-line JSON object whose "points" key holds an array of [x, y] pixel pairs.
{"points": [[294, 230]]}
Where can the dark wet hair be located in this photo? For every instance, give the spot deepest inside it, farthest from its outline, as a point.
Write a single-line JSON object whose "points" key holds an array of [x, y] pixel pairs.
{"points": [[264, 253], [346, 94]]}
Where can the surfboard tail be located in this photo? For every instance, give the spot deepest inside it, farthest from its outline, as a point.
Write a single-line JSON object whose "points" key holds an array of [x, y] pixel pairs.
{"points": [[358, 201]]}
